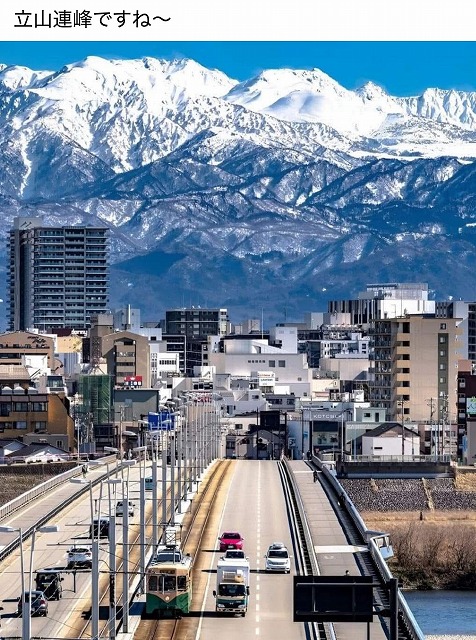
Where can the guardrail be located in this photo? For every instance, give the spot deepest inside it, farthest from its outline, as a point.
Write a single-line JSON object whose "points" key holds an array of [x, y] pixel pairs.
{"points": [[403, 608], [14, 505]]}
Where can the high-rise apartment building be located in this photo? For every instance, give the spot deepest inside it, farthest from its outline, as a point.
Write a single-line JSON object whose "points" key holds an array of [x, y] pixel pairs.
{"points": [[58, 277], [415, 367]]}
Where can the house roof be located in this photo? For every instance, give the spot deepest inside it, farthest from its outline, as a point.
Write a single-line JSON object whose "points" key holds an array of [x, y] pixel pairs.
{"points": [[14, 372], [386, 428], [35, 448]]}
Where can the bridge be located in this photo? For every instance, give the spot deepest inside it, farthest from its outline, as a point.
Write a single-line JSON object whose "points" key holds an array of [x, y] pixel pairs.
{"points": [[265, 500]]}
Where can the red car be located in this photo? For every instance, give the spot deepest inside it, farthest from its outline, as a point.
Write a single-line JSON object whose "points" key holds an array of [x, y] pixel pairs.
{"points": [[230, 540]]}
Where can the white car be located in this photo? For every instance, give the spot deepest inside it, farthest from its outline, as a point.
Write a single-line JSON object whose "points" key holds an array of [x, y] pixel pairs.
{"points": [[277, 558], [234, 554], [80, 556], [120, 508]]}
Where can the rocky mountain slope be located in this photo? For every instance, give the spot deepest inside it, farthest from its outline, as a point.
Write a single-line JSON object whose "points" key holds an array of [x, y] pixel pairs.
{"points": [[276, 193]]}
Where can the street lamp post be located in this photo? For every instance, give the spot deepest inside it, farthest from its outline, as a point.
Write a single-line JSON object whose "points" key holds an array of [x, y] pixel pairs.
{"points": [[94, 561], [142, 514], [26, 603]]}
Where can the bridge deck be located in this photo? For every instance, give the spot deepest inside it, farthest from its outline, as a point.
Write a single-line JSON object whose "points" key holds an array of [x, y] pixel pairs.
{"points": [[334, 554]]}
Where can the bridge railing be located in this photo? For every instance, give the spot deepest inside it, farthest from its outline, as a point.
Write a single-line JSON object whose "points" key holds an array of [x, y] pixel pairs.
{"points": [[7, 509], [375, 550], [14, 505]]}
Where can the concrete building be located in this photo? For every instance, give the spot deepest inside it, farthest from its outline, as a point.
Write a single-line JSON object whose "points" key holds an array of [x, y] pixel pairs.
{"points": [[466, 409], [127, 358], [273, 359], [415, 362], [127, 319], [57, 277], [19, 347], [186, 332], [196, 322], [23, 410], [386, 300]]}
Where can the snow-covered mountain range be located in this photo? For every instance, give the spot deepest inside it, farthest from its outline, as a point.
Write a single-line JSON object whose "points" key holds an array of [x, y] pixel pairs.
{"points": [[278, 192]]}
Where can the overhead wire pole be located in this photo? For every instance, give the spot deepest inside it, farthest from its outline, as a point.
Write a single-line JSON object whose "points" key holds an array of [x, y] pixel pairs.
{"points": [[125, 556], [431, 404]]}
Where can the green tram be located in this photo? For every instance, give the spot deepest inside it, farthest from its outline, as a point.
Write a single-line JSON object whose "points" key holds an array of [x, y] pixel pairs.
{"points": [[169, 589]]}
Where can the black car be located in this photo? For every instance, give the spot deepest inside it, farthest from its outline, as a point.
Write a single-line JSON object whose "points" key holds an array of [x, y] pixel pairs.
{"points": [[100, 525], [49, 581], [38, 606]]}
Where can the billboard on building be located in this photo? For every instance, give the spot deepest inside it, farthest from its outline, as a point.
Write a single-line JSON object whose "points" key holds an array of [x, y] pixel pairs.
{"points": [[471, 406], [133, 381]]}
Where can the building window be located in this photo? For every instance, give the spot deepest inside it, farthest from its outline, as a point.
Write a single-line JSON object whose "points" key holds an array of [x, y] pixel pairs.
{"points": [[272, 363], [5, 408], [20, 406], [442, 380], [20, 424], [443, 326], [38, 406], [39, 426], [281, 363]]}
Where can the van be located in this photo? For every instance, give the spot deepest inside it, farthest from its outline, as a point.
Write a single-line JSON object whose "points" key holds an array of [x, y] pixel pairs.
{"points": [[101, 525], [49, 581]]}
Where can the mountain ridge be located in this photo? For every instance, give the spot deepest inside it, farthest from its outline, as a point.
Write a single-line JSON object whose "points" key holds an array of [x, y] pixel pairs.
{"points": [[279, 190]]}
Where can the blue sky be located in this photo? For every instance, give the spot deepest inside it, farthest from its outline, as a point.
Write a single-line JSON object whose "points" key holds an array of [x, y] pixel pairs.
{"points": [[402, 68]]}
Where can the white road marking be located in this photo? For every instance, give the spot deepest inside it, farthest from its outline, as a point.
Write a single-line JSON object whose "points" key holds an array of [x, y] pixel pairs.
{"points": [[212, 563]]}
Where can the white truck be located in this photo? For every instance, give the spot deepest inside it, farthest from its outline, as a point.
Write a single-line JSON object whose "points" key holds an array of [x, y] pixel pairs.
{"points": [[233, 586]]}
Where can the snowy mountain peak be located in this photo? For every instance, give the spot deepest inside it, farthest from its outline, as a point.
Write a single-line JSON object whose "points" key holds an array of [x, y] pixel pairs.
{"points": [[13, 78], [371, 91]]}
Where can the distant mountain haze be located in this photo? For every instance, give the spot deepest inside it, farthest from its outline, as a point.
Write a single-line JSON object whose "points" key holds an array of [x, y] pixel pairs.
{"points": [[274, 194]]}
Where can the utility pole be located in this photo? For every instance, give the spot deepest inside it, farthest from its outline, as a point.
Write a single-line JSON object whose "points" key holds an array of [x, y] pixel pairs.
{"points": [[431, 404], [401, 402], [257, 433], [444, 420]]}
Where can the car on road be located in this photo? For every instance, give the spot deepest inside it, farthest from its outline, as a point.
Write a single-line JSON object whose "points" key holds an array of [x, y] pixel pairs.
{"points": [[49, 581], [80, 556], [99, 528], [230, 540], [120, 508], [38, 606], [277, 558]]}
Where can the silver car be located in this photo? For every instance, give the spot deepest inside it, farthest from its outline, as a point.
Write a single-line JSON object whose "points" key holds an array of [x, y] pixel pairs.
{"points": [[277, 558], [80, 556]]}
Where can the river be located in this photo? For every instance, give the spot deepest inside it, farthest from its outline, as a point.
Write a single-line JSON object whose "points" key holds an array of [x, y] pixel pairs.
{"points": [[444, 613]]}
